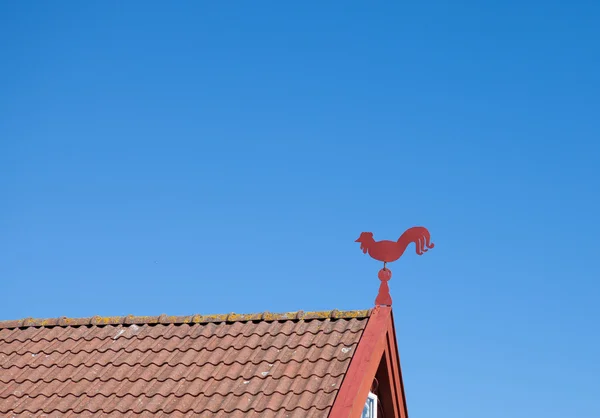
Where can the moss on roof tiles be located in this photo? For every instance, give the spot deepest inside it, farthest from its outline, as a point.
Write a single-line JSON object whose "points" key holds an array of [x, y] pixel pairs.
{"points": [[190, 319]]}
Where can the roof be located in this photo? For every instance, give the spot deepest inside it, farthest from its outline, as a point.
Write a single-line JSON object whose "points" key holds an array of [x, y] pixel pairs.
{"points": [[288, 365]]}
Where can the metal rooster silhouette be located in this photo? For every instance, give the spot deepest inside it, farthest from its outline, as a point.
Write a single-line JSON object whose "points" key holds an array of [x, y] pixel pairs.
{"points": [[388, 251]]}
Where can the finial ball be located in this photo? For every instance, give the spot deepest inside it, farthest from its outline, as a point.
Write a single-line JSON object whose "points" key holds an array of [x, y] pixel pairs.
{"points": [[384, 274]]}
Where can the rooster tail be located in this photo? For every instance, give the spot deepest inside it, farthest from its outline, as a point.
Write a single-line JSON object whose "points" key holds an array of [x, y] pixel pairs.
{"points": [[420, 236]]}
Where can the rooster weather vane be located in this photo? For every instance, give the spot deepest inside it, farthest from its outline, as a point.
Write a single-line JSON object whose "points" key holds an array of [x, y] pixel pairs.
{"points": [[388, 251]]}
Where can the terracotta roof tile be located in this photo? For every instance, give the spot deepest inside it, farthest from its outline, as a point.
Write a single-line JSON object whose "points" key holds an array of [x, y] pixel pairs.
{"points": [[267, 365]]}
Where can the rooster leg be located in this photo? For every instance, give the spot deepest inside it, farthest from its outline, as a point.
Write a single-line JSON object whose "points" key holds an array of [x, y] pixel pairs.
{"points": [[384, 263]]}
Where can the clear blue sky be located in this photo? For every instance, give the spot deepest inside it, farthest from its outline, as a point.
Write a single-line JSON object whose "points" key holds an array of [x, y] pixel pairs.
{"points": [[210, 157]]}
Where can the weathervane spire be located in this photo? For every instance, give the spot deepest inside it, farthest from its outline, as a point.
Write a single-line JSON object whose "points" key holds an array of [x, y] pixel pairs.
{"points": [[388, 251]]}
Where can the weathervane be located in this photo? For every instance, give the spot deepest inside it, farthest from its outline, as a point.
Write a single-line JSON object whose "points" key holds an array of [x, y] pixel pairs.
{"points": [[388, 251]]}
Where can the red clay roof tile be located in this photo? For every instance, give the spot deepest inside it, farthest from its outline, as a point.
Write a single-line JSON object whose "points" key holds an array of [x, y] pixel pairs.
{"points": [[230, 365]]}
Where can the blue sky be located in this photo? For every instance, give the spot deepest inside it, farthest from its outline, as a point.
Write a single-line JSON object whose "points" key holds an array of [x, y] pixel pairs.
{"points": [[210, 158]]}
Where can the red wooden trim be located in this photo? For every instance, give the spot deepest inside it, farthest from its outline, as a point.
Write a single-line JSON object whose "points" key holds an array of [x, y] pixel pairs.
{"points": [[396, 375], [353, 393], [391, 376]]}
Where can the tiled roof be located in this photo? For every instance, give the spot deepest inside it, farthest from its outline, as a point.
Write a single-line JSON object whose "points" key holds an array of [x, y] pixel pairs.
{"points": [[267, 365]]}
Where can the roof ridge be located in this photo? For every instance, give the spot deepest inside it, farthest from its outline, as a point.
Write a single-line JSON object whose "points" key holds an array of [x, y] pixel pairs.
{"points": [[189, 319]]}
